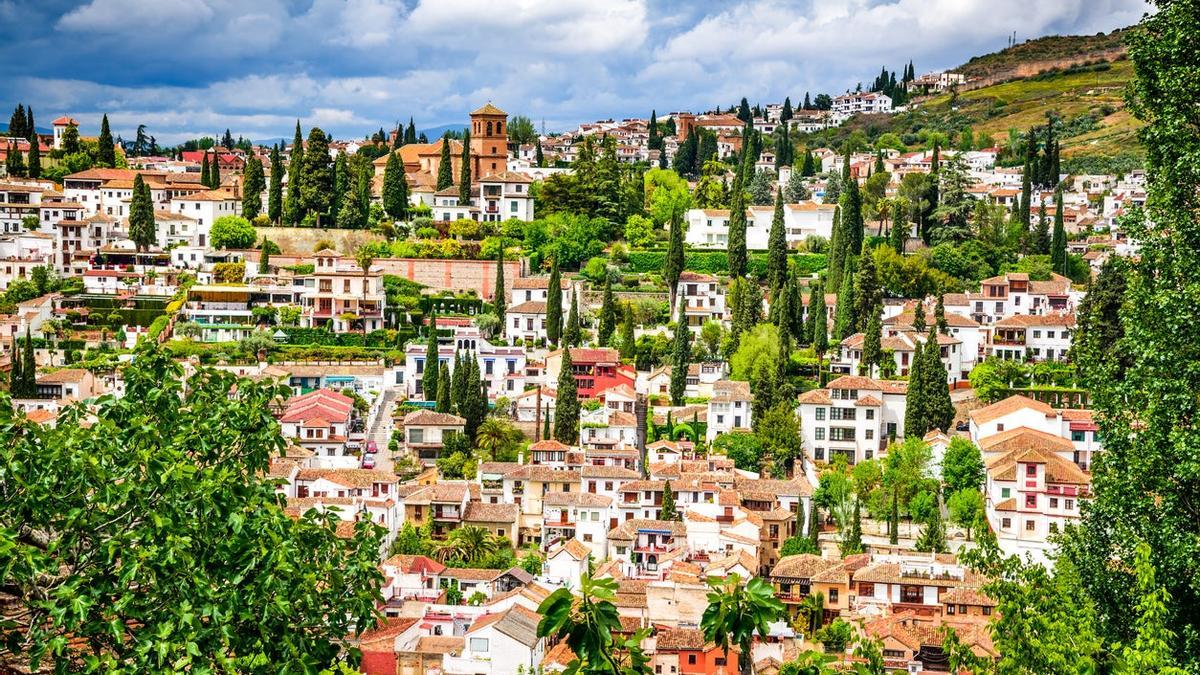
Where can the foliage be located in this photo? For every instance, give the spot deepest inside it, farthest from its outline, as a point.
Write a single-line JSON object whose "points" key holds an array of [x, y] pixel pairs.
{"points": [[966, 506], [716, 262], [232, 232], [745, 449], [736, 613], [587, 623], [836, 636], [962, 466], [779, 430], [184, 470]]}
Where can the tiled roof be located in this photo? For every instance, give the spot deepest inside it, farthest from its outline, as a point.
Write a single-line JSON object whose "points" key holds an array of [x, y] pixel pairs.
{"points": [[431, 418], [481, 512], [356, 478], [1023, 438], [415, 564], [1052, 320], [575, 499], [1058, 470], [1008, 406]]}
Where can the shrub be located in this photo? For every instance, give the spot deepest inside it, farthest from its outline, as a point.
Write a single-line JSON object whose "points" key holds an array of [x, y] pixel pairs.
{"points": [[232, 232]]}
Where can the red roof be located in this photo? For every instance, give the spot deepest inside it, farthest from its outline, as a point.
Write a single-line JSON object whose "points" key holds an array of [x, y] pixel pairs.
{"points": [[321, 405], [65, 121]]}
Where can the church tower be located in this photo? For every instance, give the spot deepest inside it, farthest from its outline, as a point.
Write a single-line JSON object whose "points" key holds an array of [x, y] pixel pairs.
{"points": [[489, 141]]}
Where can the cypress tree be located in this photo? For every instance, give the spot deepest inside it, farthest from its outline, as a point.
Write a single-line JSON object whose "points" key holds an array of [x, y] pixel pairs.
{"points": [[608, 315], [16, 123], [814, 526], [628, 340], [106, 154], [29, 126], [1041, 235], [777, 248], [573, 334], [807, 167], [275, 191], [796, 325], [410, 134], [214, 171], [293, 212], [872, 352], [395, 188], [852, 220], [252, 187], [868, 295], [443, 394], [935, 397], [836, 259], [566, 406], [28, 367], [894, 519], [545, 425], [316, 180], [538, 158], [915, 425], [931, 195], [15, 163], [445, 173], [205, 180], [675, 257], [458, 384], [1026, 196], [680, 358], [341, 185], [464, 172], [34, 168], [820, 320], [852, 541], [429, 379], [879, 168], [933, 536], [918, 323], [16, 384], [898, 235], [939, 315], [667, 511], [554, 324], [737, 231], [786, 114], [845, 319], [141, 216], [264, 257], [1058, 245], [498, 295]]}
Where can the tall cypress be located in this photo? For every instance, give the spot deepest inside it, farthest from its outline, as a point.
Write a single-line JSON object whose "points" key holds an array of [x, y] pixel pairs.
{"points": [[293, 210], [29, 126], [214, 171], [429, 379], [28, 367], [15, 164], [608, 315], [16, 385], [737, 231], [498, 295], [939, 410], [939, 315], [872, 351], [264, 257], [673, 267], [668, 511], [16, 123], [628, 345], [443, 394], [846, 320], [835, 260], [204, 177], [795, 302], [1041, 234], [572, 333], [106, 154], [141, 216], [275, 192], [252, 187], [867, 293], [554, 317], [819, 316], [777, 248], [464, 172], [395, 188], [410, 133], [34, 168], [914, 403], [1058, 244], [566, 405], [445, 173], [1026, 196], [680, 358], [458, 384]]}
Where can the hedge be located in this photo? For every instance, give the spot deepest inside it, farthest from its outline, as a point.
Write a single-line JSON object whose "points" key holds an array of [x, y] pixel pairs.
{"points": [[156, 328], [717, 262], [321, 337]]}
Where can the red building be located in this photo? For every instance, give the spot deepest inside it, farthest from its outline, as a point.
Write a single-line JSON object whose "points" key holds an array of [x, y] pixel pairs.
{"points": [[596, 370], [695, 655]]}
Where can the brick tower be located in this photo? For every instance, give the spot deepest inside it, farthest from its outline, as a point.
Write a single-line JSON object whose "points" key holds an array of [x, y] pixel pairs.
{"points": [[489, 141]]}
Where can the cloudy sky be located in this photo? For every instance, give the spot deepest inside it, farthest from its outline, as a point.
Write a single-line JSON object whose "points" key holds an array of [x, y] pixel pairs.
{"points": [[186, 68]]}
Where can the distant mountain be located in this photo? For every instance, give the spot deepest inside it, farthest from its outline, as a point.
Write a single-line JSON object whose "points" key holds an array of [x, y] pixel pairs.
{"points": [[1045, 53], [433, 133], [40, 130], [268, 142]]}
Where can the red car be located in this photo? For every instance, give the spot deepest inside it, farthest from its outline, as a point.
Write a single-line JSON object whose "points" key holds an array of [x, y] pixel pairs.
{"points": [[368, 462], [372, 448]]}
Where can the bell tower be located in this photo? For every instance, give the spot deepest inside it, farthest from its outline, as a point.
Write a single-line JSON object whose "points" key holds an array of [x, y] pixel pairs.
{"points": [[489, 141]]}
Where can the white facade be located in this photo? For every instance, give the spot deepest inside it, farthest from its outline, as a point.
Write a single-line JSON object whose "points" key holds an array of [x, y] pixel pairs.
{"points": [[853, 416], [709, 228]]}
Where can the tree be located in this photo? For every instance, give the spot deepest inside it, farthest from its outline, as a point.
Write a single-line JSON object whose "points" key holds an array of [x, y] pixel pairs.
{"points": [[1041, 234], [464, 172], [566, 404], [34, 162], [759, 188], [316, 179], [205, 175], [736, 613], [737, 231], [872, 352], [474, 403], [293, 210], [498, 437], [214, 171], [275, 187], [498, 294], [395, 188], [253, 184], [745, 449], [1151, 650], [935, 394], [779, 430], [573, 334], [628, 345], [111, 503], [15, 163], [443, 393], [680, 358], [1098, 348], [852, 542], [845, 321], [445, 172], [933, 536], [962, 466], [965, 506], [667, 510], [588, 621], [521, 131], [106, 154], [16, 123], [468, 544], [939, 315], [1058, 243], [232, 232], [16, 384], [675, 258], [819, 317], [28, 367], [608, 314], [141, 216], [777, 248], [430, 376], [554, 325]]}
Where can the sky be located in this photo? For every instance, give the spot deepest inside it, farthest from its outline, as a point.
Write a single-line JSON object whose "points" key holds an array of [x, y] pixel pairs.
{"points": [[187, 68]]}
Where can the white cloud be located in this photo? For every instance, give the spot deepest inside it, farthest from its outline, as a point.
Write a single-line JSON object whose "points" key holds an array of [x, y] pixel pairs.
{"points": [[124, 15]]}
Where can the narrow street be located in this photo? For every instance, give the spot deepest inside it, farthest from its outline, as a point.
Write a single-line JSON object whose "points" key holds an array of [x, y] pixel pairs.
{"points": [[380, 430]]}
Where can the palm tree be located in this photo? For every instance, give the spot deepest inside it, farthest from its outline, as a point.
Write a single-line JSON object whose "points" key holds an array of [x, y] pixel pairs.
{"points": [[735, 613], [495, 434], [470, 544], [812, 608]]}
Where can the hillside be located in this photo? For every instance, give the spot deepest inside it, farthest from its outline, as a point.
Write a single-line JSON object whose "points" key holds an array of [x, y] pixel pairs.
{"points": [[1052, 51]]}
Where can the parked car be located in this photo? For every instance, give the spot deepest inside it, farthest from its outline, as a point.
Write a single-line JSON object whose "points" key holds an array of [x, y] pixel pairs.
{"points": [[368, 462], [372, 448]]}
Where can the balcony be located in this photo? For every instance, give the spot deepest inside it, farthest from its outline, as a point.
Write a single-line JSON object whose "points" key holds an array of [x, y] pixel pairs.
{"points": [[650, 548], [451, 515], [1008, 342]]}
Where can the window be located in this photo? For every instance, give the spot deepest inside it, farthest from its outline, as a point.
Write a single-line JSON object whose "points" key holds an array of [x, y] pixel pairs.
{"points": [[833, 595], [1050, 334], [842, 413], [950, 610], [1054, 502], [870, 434], [1030, 501], [1030, 526], [479, 644], [893, 653], [587, 538], [999, 428], [1053, 528], [1077, 436], [870, 413], [866, 589], [820, 431], [1030, 470], [1070, 504], [841, 434], [1005, 523], [1005, 493], [912, 594], [987, 611], [691, 659], [416, 435], [820, 414]]}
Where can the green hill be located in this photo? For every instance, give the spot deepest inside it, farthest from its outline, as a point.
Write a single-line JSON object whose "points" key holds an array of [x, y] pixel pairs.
{"points": [[1044, 52]]}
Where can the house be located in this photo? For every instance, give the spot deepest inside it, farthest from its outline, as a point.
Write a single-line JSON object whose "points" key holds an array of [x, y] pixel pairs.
{"points": [[497, 644], [584, 516], [1032, 494], [320, 421], [852, 416], [596, 370], [916, 583], [729, 408], [204, 208], [75, 383], [526, 487], [442, 506], [342, 294], [903, 347], [709, 228], [501, 368], [412, 577], [847, 105], [425, 432], [500, 519], [1039, 337], [703, 297], [1002, 426], [488, 582], [567, 561], [686, 650]]}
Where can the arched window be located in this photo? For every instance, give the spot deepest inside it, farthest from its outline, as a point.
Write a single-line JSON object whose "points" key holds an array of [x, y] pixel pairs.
{"points": [[489, 128], [499, 128]]}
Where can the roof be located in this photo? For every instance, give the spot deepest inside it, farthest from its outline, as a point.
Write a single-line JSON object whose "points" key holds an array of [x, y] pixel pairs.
{"points": [[64, 375], [1053, 319], [442, 493], [415, 564], [595, 471], [356, 478], [480, 512], [575, 499], [1022, 438], [1008, 406], [858, 382], [574, 548], [516, 622], [530, 307], [433, 419], [1058, 470], [731, 390], [544, 474], [690, 639], [489, 109]]}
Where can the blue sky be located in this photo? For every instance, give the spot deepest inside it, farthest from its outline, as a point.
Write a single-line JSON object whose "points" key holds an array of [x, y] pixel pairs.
{"points": [[186, 68]]}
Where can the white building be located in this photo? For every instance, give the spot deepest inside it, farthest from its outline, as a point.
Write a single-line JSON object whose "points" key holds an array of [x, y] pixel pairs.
{"points": [[709, 228], [501, 368], [729, 408], [852, 416], [1032, 494], [497, 644], [1003, 419], [1042, 337], [862, 102], [703, 296]]}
